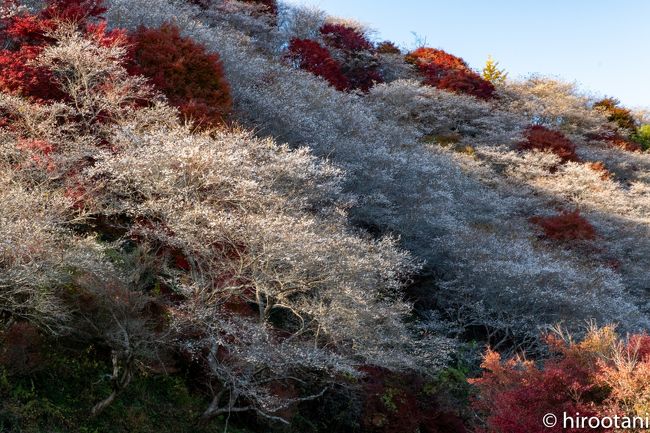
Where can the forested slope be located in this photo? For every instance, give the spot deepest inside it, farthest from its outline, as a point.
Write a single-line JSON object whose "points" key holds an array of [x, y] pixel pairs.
{"points": [[242, 213]]}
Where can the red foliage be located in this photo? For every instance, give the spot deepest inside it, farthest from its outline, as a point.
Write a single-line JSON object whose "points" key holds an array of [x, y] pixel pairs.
{"points": [[516, 395], [399, 403], [426, 56], [616, 140], [639, 345], [21, 349], [460, 81], [600, 376], [311, 56], [624, 119], [39, 152], [448, 72], [77, 11], [358, 61], [28, 29], [543, 139], [387, 47], [192, 79], [567, 226], [25, 38], [19, 77], [357, 67], [76, 193], [270, 5], [345, 38], [363, 77], [99, 33]]}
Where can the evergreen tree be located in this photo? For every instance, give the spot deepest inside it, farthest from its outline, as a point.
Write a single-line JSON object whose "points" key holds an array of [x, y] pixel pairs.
{"points": [[492, 73], [642, 136]]}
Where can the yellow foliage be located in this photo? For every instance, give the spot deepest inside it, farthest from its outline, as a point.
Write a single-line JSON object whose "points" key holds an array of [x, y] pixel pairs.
{"points": [[492, 73]]}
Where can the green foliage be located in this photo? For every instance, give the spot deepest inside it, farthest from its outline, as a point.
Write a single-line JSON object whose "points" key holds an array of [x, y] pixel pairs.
{"points": [[642, 136], [388, 399], [451, 383], [408, 403], [492, 73], [59, 399]]}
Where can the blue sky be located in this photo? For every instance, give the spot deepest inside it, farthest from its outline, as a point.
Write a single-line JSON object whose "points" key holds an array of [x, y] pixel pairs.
{"points": [[602, 45]]}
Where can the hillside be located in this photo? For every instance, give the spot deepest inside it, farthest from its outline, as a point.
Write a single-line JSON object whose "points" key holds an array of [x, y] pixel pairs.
{"points": [[244, 216]]}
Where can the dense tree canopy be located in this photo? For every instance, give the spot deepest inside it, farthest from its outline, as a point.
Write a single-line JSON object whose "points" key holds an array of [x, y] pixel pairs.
{"points": [[262, 215]]}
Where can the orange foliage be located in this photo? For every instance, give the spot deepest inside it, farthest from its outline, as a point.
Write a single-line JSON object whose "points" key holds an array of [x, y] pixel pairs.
{"points": [[615, 139], [600, 168], [617, 114], [387, 47], [599, 376], [625, 144], [426, 56]]}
